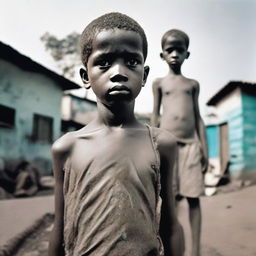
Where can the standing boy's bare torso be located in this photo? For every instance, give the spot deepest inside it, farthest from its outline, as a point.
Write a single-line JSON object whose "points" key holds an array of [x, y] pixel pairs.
{"points": [[177, 95]]}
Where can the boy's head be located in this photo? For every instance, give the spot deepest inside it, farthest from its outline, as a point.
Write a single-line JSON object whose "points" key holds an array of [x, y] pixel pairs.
{"points": [[175, 48], [176, 33], [113, 20], [114, 49]]}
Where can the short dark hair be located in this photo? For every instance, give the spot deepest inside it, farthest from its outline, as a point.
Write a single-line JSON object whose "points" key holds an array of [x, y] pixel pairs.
{"points": [[109, 21], [176, 33]]}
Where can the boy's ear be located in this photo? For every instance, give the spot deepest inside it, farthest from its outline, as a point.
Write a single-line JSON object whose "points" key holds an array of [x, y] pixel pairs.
{"points": [[188, 54], [161, 55], [145, 75], [85, 78]]}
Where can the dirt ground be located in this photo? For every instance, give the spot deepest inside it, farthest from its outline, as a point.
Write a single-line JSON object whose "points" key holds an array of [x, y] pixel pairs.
{"points": [[228, 226], [37, 243]]}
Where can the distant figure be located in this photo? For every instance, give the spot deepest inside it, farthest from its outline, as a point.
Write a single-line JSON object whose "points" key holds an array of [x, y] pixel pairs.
{"points": [[27, 182], [108, 187], [7, 183], [21, 181], [178, 96]]}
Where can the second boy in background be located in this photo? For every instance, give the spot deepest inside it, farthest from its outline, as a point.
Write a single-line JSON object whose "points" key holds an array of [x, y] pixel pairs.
{"points": [[178, 96]]}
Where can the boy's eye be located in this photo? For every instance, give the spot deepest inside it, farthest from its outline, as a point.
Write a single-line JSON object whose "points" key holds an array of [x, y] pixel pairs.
{"points": [[132, 62], [169, 50], [178, 49], [104, 63]]}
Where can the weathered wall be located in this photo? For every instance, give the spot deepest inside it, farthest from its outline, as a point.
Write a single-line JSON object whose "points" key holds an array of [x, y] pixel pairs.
{"points": [[212, 133], [239, 110], [78, 109], [213, 143], [235, 130], [28, 93], [230, 110], [249, 124], [229, 102]]}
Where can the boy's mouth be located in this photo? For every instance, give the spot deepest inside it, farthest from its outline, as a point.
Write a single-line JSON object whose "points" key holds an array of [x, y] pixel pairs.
{"points": [[174, 61], [119, 89]]}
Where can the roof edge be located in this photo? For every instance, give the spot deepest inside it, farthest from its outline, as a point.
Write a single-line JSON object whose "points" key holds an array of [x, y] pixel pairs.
{"points": [[229, 87], [11, 55]]}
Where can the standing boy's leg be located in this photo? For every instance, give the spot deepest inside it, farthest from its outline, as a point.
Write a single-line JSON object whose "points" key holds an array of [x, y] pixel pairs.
{"points": [[195, 219]]}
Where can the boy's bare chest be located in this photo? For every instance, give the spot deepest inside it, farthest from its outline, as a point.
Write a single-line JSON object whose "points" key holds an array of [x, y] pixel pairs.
{"points": [[112, 150], [176, 89]]}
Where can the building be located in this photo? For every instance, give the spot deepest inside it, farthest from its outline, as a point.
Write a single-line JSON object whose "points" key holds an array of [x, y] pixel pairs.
{"points": [[232, 138], [76, 112], [30, 108]]}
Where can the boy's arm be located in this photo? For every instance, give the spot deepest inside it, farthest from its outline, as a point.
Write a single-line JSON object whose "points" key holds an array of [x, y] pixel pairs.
{"points": [[157, 98], [59, 153], [171, 231], [200, 128]]}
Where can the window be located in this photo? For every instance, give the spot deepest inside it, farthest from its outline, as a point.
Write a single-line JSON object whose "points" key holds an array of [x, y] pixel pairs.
{"points": [[42, 128], [7, 117]]}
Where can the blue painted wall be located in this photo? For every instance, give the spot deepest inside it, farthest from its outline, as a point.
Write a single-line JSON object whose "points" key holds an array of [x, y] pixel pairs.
{"points": [[28, 93], [242, 135], [239, 111], [249, 126], [236, 133], [212, 134]]}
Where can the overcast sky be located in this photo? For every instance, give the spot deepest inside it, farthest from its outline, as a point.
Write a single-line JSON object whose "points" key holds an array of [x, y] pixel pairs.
{"points": [[222, 35]]}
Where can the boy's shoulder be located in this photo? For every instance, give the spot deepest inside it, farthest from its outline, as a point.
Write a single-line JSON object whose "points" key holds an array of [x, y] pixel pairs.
{"points": [[194, 83], [157, 81], [64, 144]]}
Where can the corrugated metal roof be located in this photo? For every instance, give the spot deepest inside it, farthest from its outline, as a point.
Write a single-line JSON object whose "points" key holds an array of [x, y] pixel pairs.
{"points": [[9, 54], [232, 85]]}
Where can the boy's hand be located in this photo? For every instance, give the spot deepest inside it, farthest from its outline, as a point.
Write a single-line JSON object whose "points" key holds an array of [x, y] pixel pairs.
{"points": [[205, 163]]}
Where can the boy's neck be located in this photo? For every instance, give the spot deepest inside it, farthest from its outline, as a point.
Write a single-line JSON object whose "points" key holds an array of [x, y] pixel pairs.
{"points": [[119, 115], [175, 70]]}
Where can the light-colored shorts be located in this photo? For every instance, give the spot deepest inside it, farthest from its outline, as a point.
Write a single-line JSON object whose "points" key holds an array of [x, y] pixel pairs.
{"points": [[188, 176]]}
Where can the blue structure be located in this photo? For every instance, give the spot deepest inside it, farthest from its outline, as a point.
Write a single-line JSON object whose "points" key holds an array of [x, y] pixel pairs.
{"points": [[233, 139], [30, 113], [212, 133]]}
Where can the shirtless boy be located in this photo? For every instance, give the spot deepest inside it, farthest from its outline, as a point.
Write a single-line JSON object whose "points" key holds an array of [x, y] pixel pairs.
{"points": [[178, 96], [108, 187]]}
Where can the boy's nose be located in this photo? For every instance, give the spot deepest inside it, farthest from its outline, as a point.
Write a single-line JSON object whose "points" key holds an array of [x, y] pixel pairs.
{"points": [[118, 74], [175, 53]]}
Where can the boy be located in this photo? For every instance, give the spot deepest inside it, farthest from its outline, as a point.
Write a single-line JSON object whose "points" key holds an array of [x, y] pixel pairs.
{"points": [[179, 98], [107, 194]]}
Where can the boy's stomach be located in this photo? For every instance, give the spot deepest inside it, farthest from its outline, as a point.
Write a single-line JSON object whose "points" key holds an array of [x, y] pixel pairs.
{"points": [[112, 217], [182, 126]]}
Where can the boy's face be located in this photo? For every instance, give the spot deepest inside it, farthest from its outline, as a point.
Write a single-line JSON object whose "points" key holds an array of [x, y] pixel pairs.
{"points": [[115, 68], [174, 51]]}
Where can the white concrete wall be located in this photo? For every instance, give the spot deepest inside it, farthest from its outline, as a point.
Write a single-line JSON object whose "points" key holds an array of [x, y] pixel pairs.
{"points": [[229, 102], [78, 110], [66, 108]]}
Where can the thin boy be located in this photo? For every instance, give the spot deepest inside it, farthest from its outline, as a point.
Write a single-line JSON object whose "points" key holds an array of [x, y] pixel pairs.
{"points": [[178, 96], [107, 194]]}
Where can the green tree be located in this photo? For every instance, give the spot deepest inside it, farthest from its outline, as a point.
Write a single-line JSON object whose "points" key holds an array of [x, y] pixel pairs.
{"points": [[64, 51]]}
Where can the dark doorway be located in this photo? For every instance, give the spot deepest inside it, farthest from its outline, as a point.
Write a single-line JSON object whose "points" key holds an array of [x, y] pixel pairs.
{"points": [[224, 147]]}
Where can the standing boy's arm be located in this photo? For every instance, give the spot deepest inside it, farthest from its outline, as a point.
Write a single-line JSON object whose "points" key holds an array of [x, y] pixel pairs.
{"points": [[56, 247], [200, 128], [157, 97], [171, 231]]}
